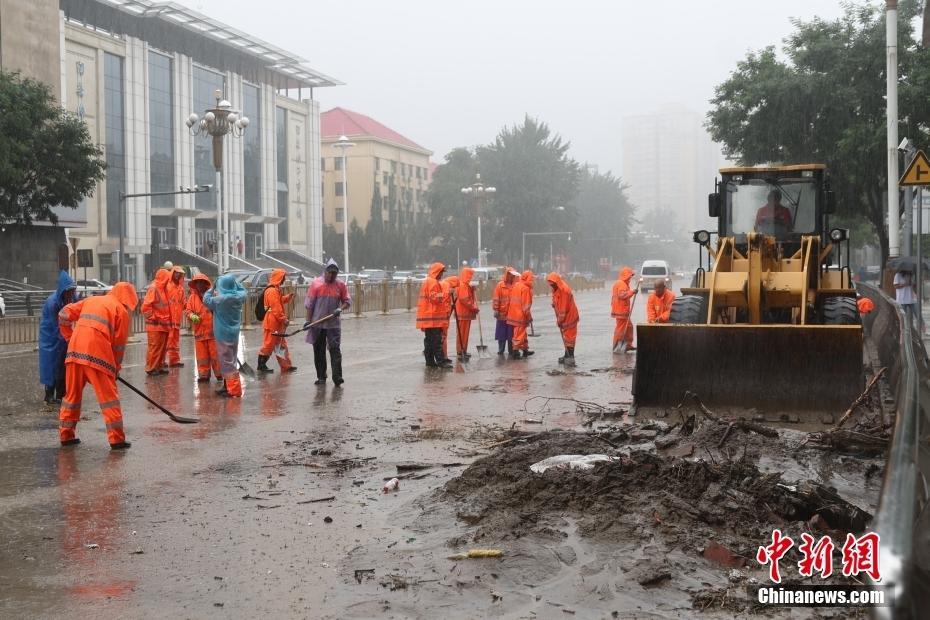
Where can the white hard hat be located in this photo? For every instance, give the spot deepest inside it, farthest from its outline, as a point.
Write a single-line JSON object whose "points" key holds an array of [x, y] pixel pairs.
{"points": [[168, 264]]}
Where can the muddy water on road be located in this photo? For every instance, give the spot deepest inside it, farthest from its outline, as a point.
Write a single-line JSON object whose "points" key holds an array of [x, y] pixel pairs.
{"points": [[217, 518]]}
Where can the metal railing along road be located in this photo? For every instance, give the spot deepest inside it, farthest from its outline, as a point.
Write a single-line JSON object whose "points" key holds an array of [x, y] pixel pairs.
{"points": [[382, 297]]}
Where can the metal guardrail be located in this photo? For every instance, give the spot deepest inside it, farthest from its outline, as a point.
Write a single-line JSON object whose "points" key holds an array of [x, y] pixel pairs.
{"points": [[382, 297], [896, 520]]}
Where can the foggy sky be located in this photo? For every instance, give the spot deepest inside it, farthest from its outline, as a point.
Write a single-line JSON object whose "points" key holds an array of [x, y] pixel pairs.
{"points": [[449, 74]]}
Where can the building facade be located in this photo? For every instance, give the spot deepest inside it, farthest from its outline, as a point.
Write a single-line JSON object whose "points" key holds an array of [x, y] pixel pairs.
{"points": [[134, 71], [670, 163], [387, 173]]}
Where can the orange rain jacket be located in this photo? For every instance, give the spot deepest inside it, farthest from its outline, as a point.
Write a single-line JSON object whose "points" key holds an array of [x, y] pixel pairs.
{"points": [[658, 309], [97, 328], [203, 329], [529, 278], [431, 307], [176, 297], [621, 294], [563, 302], [500, 302], [466, 306], [521, 299], [449, 286], [275, 313], [155, 306]]}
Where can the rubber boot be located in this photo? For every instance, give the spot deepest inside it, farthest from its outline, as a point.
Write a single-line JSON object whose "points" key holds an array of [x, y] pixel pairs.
{"points": [[430, 362], [49, 395], [564, 357], [222, 391], [500, 347], [570, 356], [263, 364], [123, 445]]}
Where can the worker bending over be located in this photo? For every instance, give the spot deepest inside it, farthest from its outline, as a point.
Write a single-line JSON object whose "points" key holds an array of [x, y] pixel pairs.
{"points": [[566, 315], [659, 304]]}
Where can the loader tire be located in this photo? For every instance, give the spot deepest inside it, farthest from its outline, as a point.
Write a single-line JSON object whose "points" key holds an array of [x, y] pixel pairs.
{"points": [[689, 309], [840, 311]]}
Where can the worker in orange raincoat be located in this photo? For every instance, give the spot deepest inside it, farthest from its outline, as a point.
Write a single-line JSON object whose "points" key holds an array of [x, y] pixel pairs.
{"points": [[201, 320], [157, 314], [432, 316], [176, 302], [449, 287], [466, 311], [621, 300], [659, 304], [500, 303], [275, 322], [96, 329], [529, 278], [519, 315], [566, 315]]}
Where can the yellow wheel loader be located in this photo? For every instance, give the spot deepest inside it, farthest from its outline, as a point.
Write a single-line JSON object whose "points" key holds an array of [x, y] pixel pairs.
{"points": [[771, 322]]}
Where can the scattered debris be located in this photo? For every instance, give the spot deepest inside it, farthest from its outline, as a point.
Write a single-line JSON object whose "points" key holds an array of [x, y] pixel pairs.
{"points": [[92, 546], [570, 461], [390, 486], [319, 499], [362, 574], [478, 553], [327, 519]]}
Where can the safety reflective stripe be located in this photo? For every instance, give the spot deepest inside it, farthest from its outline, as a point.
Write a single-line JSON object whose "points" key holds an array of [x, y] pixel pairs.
{"points": [[92, 360], [114, 425], [96, 317], [157, 322], [67, 424], [619, 315], [110, 404], [71, 406]]}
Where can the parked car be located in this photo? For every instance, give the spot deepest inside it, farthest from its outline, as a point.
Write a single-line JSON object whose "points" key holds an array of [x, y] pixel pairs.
{"points": [[487, 274], [403, 276], [652, 271], [259, 279], [93, 286], [374, 275], [2, 307]]}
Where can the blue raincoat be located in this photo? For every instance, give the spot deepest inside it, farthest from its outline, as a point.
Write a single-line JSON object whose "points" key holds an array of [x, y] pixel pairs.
{"points": [[226, 300], [52, 347]]}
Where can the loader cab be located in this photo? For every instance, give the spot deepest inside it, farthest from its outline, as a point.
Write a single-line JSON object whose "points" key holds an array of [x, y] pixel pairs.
{"points": [[785, 203]]}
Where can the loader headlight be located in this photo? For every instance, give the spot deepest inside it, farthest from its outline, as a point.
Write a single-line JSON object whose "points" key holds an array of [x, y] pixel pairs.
{"points": [[701, 237], [838, 234]]}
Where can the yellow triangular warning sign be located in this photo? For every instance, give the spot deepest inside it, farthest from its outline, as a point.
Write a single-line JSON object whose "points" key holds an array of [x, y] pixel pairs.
{"points": [[918, 173]]}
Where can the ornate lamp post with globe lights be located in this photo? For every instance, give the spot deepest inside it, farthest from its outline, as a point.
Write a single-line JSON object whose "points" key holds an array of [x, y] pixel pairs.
{"points": [[480, 192], [217, 123]]}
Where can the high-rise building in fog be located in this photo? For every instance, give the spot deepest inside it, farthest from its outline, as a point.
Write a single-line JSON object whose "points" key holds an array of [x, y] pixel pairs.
{"points": [[670, 162]]}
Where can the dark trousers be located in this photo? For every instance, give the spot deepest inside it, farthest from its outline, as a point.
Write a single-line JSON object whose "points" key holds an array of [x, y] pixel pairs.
{"points": [[432, 345], [319, 356]]}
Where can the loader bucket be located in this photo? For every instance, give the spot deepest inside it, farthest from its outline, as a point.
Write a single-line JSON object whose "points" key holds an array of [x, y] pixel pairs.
{"points": [[771, 368]]}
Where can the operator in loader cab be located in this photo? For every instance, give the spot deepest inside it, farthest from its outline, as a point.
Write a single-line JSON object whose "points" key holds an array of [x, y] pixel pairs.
{"points": [[773, 213]]}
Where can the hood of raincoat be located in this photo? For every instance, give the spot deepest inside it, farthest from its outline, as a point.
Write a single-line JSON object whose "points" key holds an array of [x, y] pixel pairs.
{"points": [[508, 275], [331, 265], [162, 276], [527, 278], [555, 278], [65, 282], [625, 274], [179, 270], [466, 274], [277, 277], [125, 293], [452, 281], [435, 270], [227, 284], [200, 283]]}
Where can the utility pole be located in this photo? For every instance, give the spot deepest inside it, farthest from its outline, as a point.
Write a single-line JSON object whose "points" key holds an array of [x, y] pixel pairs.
{"points": [[891, 74]]}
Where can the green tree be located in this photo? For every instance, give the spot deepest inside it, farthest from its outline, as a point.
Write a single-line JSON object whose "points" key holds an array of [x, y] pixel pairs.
{"points": [[47, 157], [605, 217], [822, 100], [534, 175], [451, 221]]}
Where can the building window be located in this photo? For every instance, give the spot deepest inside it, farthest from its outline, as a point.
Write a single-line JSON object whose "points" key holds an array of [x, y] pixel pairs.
{"points": [[340, 217], [323, 164], [206, 82], [252, 147], [337, 164], [377, 164], [340, 188], [280, 127], [385, 177], [114, 111], [161, 129], [393, 167]]}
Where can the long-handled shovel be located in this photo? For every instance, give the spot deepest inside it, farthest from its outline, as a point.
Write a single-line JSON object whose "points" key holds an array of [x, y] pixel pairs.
{"points": [[174, 418], [307, 326], [481, 346], [533, 333], [622, 346]]}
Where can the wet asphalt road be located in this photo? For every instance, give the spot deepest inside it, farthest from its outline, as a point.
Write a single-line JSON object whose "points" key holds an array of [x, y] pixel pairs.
{"points": [[163, 530]]}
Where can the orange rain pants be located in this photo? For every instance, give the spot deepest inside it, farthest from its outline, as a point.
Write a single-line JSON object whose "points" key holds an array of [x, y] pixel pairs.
{"points": [[157, 348], [278, 346], [227, 353], [173, 346], [520, 341], [623, 331], [76, 377], [569, 335], [207, 359], [463, 328]]}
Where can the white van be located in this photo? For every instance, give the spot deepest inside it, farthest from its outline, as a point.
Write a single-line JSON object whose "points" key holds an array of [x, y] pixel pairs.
{"points": [[487, 274], [653, 270]]}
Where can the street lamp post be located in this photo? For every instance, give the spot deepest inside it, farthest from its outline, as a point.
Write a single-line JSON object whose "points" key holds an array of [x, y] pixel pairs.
{"points": [[217, 123], [479, 191], [343, 145], [542, 234]]}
